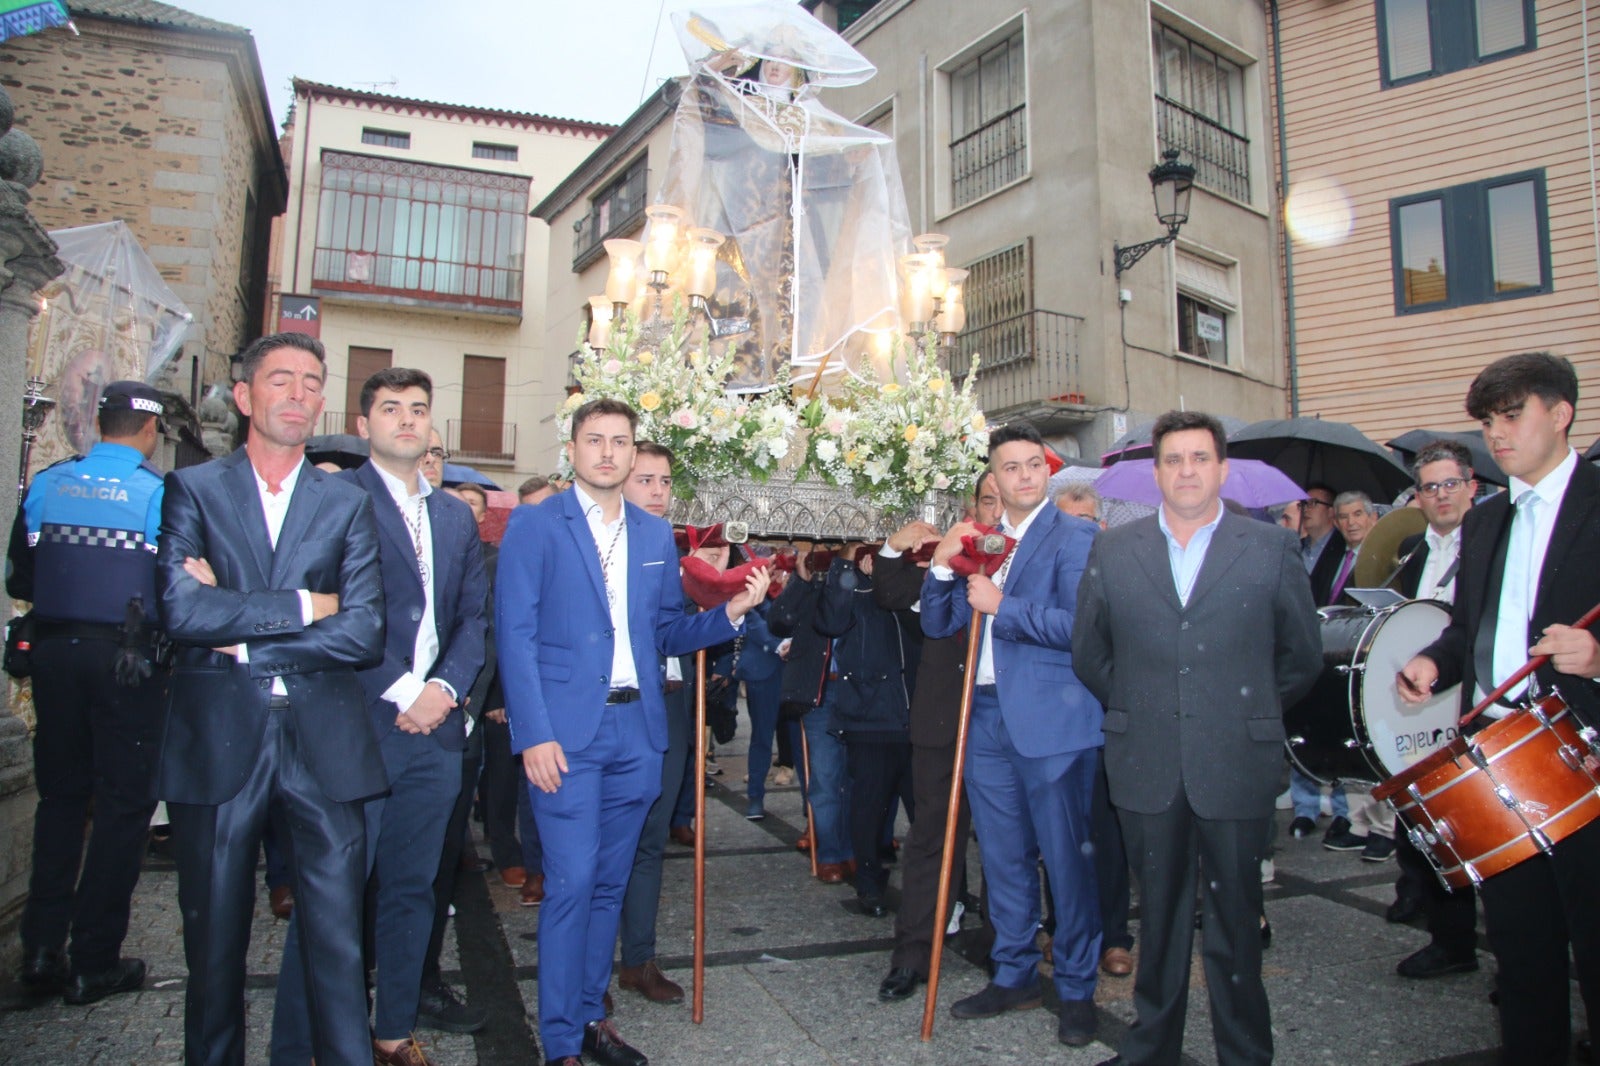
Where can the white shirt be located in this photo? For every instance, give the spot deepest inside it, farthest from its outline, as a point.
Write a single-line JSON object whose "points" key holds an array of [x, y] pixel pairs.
{"points": [[1443, 548], [1186, 560], [413, 508], [611, 539], [1528, 543], [274, 506], [985, 675]]}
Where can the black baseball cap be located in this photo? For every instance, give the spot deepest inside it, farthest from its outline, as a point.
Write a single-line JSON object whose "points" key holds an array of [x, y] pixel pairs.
{"points": [[131, 396]]}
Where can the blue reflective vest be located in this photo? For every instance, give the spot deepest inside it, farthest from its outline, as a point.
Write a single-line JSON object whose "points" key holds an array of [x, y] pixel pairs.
{"points": [[92, 523]]}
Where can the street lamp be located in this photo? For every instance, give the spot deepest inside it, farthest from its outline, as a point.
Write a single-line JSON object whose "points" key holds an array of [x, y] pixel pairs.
{"points": [[1170, 182]]}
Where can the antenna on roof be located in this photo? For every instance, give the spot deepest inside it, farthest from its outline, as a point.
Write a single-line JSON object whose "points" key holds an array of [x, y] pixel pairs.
{"points": [[390, 84]]}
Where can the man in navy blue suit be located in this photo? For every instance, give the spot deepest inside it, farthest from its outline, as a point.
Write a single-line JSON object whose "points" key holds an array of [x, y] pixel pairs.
{"points": [[587, 602], [434, 595], [1032, 758]]}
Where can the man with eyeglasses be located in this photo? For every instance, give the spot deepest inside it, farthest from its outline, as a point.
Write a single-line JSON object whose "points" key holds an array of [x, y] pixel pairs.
{"points": [[431, 465], [1445, 488]]}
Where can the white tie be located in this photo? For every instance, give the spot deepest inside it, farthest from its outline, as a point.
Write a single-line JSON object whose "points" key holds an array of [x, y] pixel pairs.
{"points": [[1517, 590]]}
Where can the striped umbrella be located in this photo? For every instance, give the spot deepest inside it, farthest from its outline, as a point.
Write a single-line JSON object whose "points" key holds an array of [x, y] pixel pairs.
{"points": [[21, 17]]}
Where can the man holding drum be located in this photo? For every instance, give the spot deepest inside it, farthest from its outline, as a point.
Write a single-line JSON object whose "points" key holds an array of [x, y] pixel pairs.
{"points": [[1530, 564]]}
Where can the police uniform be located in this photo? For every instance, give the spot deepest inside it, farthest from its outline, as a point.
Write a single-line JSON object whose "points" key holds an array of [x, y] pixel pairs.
{"points": [[83, 551]]}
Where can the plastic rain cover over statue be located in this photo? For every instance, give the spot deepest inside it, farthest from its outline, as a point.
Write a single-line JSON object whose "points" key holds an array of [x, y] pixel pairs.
{"points": [[110, 317], [811, 204]]}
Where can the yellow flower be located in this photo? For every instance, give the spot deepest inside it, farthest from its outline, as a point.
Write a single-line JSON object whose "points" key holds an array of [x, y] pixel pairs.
{"points": [[890, 390], [936, 385], [697, 357], [852, 457], [911, 433], [650, 401], [574, 401], [719, 413], [978, 423], [646, 358]]}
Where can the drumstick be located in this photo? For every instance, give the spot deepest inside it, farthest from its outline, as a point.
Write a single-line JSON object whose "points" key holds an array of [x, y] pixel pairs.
{"points": [[1527, 668]]}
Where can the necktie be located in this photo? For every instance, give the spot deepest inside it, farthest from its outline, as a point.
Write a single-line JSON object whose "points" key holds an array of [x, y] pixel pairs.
{"points": [[1516, 594], [1344, 575]]}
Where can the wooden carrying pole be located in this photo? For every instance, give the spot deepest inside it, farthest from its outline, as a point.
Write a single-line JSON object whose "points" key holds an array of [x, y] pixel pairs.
{"points": [[811, 821], [699, 1013], [946, 861]]}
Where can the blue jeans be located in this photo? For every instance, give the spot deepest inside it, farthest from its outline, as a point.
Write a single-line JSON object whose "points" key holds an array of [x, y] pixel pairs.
{"points": [[761, 699], [1307, 796], [830, 826]]}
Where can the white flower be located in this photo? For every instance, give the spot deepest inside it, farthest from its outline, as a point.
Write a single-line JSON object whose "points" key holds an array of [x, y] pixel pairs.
{"points": [[834, 425], [827, 450], [941, 482], [685, 418], [611, 368], [877, 469]]}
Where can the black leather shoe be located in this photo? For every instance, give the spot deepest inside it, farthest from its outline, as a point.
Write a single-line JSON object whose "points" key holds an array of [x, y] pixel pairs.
{"points": [[997, 999], [1404, 909], [1266, 933], [901, 983], [440, 1009], [126, 976], [1076, 1024], [602, 1045], [872, 906], [44, 971], [1435, 961]]}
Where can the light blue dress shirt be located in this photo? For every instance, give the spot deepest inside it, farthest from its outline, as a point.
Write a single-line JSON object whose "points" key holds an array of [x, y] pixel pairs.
{"points": [[1186, 561]]}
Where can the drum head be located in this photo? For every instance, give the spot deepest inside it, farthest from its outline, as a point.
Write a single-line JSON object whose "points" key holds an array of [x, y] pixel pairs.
{"points": [[1396, 734]]}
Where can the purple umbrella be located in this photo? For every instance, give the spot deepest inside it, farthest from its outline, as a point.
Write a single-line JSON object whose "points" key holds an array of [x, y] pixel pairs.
{"points": [[1250, 483]]}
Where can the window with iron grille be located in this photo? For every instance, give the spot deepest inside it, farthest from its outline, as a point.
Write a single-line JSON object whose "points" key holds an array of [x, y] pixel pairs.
{"points": [[1200, 111], [988, 121], [506, 153], [999, 299], [1208, 300], [617, 208], [437, 234], [385, 138]]}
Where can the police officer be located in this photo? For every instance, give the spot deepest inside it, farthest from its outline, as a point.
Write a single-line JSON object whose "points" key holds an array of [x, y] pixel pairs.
{"points": [[84, 552]]}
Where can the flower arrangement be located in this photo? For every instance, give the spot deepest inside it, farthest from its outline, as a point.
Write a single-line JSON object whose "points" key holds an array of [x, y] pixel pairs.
{"points": [[892, 443], [887, 442], [679, 394]]}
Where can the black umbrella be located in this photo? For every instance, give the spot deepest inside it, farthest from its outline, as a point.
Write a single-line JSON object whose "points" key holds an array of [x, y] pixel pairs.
{"points": [[346, 449], [1311, 450], [1593, 454], [1407, 445], [1135, 444]]}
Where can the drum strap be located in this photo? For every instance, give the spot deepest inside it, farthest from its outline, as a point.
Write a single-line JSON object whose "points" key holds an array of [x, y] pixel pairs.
{"points": [[1449, 574]]}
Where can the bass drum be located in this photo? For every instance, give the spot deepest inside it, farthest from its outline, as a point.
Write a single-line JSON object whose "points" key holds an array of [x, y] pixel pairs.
{"points": [[1353, 725]]}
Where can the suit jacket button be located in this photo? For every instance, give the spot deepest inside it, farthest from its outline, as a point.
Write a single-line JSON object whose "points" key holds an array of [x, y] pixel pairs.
{"points": [[1183, 670], [416, 614], [1183, 625], [408, 660]]}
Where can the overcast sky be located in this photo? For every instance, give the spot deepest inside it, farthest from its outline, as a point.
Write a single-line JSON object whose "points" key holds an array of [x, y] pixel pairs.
{"points": [[589, 59]]}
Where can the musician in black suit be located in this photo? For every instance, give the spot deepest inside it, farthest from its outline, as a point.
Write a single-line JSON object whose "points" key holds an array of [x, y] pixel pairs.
{"points": [[1530, 565], [268, 579], [1322, 547], [1430, 560]]}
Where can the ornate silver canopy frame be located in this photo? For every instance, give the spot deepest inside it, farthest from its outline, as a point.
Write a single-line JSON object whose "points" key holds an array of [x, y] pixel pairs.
{"points": [[783, 508]]}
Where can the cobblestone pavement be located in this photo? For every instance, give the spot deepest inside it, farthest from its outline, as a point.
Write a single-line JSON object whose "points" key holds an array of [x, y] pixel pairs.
{"points": [[792, 973]]}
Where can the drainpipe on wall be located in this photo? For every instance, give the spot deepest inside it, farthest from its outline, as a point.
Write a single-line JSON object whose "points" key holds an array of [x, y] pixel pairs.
{"points": [[1288, 241]]}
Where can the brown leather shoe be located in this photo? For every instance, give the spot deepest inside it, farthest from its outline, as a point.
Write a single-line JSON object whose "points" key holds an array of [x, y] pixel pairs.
{"points": [[514, 876], [682, 834], [832, 873], [409, 1053], [533, 891], [804, 843], [650, 982], [1116, 962], [281, 899]]}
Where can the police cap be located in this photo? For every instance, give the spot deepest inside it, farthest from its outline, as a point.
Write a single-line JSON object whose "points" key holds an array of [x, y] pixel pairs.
{"points": [[131, 396]]}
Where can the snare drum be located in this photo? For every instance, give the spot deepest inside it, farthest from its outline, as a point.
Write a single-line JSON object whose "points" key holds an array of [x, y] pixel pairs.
{"points": [[1353, 725], [1485, 803]]}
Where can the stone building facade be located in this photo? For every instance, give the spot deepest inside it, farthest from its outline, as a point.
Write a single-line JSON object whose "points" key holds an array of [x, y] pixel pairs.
{"points": [[160, 117]]}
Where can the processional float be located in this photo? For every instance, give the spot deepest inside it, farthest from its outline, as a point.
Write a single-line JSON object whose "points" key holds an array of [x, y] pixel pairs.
{"points": [[777, 325]]}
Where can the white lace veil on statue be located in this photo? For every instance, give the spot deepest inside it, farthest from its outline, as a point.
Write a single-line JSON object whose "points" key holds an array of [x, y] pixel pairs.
{"points": [[811, 204]]}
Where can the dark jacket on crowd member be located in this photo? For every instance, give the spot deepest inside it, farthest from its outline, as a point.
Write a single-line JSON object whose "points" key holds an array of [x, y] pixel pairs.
{"points": [[1327, 569], [791, 616], [869, 656], [941, 663]]}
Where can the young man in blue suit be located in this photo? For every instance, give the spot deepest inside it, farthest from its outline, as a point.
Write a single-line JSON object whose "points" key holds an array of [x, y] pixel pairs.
{"points": [[1031, 759], [587, 602], [434, 597]]}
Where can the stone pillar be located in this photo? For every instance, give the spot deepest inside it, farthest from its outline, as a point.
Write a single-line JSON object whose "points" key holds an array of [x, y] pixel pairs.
{"points": [[27, 262]]}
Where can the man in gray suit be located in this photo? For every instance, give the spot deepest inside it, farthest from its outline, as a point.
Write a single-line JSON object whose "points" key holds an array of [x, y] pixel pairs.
{"points": [[1195, 628]]}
